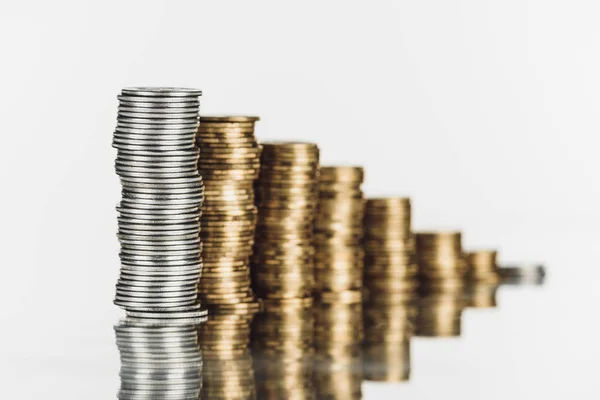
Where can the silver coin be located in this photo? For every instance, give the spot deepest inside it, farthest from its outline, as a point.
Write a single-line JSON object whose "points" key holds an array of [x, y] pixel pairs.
{"points": [[161, 164], [172, 205], [162, 270], [159, 214], [198, 193], [131, 302], [182, 225], [166, 92], [154, 146], [193, 252], [159, 259], [158, 285], [148, 244], [149, 250], [126, 98], [150, 155], [137, 278], [172, 182], [169, 322], [142, 115], [158, 140], [125, 287], [156, 296], [127, 105], [158, 124], [167, 314]]}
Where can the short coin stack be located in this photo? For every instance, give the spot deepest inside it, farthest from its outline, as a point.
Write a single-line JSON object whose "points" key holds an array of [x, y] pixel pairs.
{"points": [[282, 344], [158, 362], [286, 196], [338, 340], [229, 165], [389, 327], [390, 289], [228, 364], [440, 256], [338, 230], [482, 265], [160, 208], [390, 264]]}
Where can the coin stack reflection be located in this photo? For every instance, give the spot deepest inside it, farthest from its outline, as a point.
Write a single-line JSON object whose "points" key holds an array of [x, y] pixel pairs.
{"points": [[282, 341], [390, 289], [338, 338], [229, 164], [228, 364], [286, 196], [158, 362], [161, 201], [442, 267]]}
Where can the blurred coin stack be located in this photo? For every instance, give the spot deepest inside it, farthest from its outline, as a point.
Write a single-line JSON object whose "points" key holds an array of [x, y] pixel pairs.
{"points": [[286, 196], [481, 294], [282, 344], [228, 364], [389, 326], [440, 256], [525, 274], [442, 267], [441, 304], [229, 165], [338, 340], [161, 201], [390, 289], [339, 230], [390, 264], [482, 266], [158, 362]]}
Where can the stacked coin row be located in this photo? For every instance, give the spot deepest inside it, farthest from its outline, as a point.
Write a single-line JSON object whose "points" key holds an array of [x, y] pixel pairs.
{"points": [[225, 340], [389, 326], [338, 340], [286, 196], [338, 229], [158, 362], [440, 256], [482, 266], [229, 163], [390, 264], [162, 196], [282, 344]]}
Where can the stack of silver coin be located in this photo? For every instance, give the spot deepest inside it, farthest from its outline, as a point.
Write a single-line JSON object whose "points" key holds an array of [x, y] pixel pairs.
{"points": [[159, 362], [161, 203]]}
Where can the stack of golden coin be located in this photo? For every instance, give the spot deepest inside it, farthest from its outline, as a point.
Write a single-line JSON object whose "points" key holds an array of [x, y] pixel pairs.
{"points": [[390, 264], [338, 337], [282, 344], [389, 320], [286, 196], [482, 266], [441, 304], [440, 256], [228, 365], [338, 230], [229, 164]]}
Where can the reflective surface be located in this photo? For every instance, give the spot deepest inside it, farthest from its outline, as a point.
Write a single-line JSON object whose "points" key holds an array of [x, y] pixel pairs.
{"points": [[300, 349]]}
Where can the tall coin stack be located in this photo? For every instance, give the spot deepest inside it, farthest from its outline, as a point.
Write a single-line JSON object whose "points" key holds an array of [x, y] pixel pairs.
{"points": [[158, 362], [390, 264], [390, 289], [229, 164], [339, 230], [282, 341], [338, 340], [161, 201], [286, 196], [339, 263], [228, 363]]}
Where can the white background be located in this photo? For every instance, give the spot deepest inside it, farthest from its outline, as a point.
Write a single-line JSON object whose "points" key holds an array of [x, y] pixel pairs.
{"points": [[483, 111]]}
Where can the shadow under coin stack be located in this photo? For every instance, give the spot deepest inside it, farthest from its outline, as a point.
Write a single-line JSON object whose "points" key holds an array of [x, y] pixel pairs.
{"points": [[339, 262], [483, 279], [160, 208], [441, 268], [390, 289], [158, 362], [228, 363], [229, 164], [282, 344]]}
